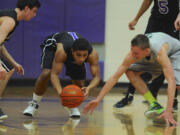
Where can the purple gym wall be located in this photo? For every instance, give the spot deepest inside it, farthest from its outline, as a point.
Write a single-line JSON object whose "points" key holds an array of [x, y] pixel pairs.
{"points": [[86, 17]]}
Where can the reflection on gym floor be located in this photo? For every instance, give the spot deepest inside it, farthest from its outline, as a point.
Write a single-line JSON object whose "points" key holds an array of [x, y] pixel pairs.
{"points": [[52, 119]]}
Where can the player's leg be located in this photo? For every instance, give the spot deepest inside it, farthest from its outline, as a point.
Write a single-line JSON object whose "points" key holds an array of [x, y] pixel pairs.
{"points": [[40, 88], [10, 70], [156, 84], [130, 93], [155, 108], [42, 81], [3, 83], [78, 76]]}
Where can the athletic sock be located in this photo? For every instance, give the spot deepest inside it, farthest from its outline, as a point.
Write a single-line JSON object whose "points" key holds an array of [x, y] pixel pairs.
{"points": [[149, 97], [37, 98]]}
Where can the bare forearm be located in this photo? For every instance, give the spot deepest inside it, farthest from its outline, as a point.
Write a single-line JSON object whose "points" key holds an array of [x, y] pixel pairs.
{"points": [[145, 5], [171, 93], [107, 87], [56, 82], [94, 82], [7, 56]]}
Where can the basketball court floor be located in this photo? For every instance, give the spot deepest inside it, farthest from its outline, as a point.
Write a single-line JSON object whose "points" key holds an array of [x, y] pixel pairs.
{"points": [[52, 118]]}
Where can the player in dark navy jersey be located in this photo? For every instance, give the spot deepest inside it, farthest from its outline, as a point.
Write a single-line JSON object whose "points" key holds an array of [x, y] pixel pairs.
{"points": [[162, 18], [69, 49], [9, 19]]}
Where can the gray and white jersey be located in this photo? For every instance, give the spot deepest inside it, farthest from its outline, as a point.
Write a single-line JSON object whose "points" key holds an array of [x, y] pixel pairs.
{"points": [[157, 40]]}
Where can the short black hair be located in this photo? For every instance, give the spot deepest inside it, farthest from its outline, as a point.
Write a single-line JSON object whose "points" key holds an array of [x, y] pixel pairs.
{"points": [[141, 41], [21, 4], [81, 44]]}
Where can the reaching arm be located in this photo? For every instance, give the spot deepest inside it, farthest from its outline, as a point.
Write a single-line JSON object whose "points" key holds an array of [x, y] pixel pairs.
{"points": [[110, 83], [169, 75], [7, 56], [57, 67], [95, 71], [163, 59], [6, 25], [113, 79], [144, 6]]}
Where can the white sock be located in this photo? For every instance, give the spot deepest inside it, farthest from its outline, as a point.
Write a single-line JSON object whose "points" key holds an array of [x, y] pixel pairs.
{"points": [[37, 98]]}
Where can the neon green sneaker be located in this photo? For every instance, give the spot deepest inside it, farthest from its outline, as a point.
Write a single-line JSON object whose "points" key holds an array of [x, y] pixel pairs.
{"points": [[154, 111]]}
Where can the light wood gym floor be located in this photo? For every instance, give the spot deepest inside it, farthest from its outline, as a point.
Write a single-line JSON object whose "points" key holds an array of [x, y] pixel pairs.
{"points": [[52, 119]]}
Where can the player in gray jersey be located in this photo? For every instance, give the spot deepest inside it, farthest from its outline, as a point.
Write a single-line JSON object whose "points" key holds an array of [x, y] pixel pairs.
{"points": [[162, 19], [154, 53]]}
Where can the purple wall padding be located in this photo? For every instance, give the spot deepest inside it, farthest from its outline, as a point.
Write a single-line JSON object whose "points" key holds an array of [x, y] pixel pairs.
{"points": [[48, 20], [85, 17]]}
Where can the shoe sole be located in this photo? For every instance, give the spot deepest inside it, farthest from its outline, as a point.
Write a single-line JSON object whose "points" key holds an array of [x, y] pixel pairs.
{"points": [[28, 114], [3, 117], [119, 109], [75, 116], [152, 115]]}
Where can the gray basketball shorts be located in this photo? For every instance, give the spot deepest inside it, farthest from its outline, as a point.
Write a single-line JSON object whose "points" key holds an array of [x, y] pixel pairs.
{"points": [[6, 64], [154, 69]]}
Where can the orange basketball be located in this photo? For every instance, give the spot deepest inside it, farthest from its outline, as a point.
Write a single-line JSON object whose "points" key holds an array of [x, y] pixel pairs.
{"points": [[71, 96]]}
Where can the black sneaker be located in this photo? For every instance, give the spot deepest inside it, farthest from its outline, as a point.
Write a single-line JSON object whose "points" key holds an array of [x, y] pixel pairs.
{"points": [[124, 102], [2, 115], [175, 106]]}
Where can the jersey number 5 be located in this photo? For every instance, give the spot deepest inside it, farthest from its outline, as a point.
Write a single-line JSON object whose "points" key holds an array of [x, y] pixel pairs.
{"points": [[163, 6]]}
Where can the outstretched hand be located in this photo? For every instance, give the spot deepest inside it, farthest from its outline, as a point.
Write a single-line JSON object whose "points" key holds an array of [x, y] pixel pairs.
{"points": [[19, 69], [90, 107], [85, 91], [168, 118]]}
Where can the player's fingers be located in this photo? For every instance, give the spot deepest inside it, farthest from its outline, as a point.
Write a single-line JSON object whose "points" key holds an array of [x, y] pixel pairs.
{"points": [[167, 122], [173, 122], [22, 71], [92, 110], [160, 116], [87, 108], [85, 111]]}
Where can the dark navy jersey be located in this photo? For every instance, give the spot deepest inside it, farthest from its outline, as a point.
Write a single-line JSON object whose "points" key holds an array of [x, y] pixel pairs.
{"points": [[67, 39], [165, 10], [12, 14]]}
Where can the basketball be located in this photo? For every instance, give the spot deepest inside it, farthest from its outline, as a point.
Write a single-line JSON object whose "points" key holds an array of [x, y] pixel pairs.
{"points": [[71, 96]]}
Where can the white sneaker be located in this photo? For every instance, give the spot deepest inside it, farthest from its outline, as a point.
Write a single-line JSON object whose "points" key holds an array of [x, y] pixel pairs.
{"points": [[73, 112], [31, 109], [3, 116]]}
